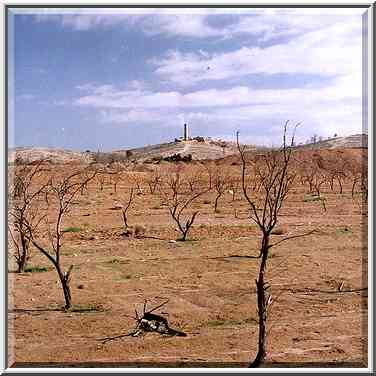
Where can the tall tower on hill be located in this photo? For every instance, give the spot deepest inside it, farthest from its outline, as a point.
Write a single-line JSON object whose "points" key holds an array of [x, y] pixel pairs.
{"points": [[185, 136]]}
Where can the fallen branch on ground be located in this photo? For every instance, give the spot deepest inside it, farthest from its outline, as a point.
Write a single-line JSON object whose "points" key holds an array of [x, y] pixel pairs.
{"points": [[148, 322]]}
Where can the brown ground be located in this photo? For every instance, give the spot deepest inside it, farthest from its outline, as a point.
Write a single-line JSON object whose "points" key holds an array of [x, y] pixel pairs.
{"points": [[211, 294]]}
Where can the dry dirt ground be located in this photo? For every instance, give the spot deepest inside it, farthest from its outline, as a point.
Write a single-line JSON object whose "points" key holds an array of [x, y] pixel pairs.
{"points": [[319, 282]]}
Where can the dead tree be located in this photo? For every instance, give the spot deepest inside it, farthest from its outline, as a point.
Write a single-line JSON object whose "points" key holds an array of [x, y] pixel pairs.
{"points": [[178, 199], [210, 170], [276, 178], [101, 177], [220, 184], [193, 177], [62, 191], [151, 322], [136, 179], [148, 322], [125, 207], [115, 175], [153, 180], [234, 185], [24, 210]]}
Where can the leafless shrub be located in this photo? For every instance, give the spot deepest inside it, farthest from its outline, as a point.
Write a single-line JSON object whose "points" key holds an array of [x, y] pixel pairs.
{"points": [[220, 185], [178, 198], [24, 209], [62, 191], [126, 204], [154, 179]]}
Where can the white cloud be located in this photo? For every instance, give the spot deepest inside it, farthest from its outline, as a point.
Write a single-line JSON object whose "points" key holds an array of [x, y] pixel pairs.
{"points": [[182, 25], [106, 96], [82, 21], [322, 42], [265, 23], [323, 111], [151, 22], [332, 50]]}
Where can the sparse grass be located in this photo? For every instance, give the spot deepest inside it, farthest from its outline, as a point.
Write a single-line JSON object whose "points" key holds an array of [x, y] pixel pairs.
{"points": [[278, 231], [187, 240], [344, 230], [36, 269], [230, 322], [72, 229], [313, 198], [114, 261], [214, 323], [86, 308], [129, 276]]}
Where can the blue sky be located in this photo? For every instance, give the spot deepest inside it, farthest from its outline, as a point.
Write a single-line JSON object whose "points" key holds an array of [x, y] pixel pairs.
{"points": [[115, 79]]}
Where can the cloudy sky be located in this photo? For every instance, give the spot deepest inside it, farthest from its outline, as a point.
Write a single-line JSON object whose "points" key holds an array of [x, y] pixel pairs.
{"points": [[114, 79]]}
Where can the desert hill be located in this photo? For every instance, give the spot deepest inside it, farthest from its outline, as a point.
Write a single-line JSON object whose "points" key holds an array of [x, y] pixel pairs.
{"points": [[197, 149]]}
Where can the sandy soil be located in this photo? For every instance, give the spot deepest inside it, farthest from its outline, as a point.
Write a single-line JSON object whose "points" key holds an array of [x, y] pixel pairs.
{"points": [[209, 281]]}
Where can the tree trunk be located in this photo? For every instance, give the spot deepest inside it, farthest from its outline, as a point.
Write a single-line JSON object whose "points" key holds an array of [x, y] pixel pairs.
{"points": [[331, 182], [340, 185], [66, 288], [353, 188], [21, 261], [216, 203], [261, 304]]}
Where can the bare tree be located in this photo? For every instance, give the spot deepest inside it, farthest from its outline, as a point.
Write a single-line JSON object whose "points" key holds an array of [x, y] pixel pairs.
{"points": [[115, 174], [136, 179], [154, 179], [178, 199], [220, 184], [62, 192], [336, 169], [194, 177], [101, 176], [276, 178], [24, 209], [234, 185], [125, 207], [210, 170]]}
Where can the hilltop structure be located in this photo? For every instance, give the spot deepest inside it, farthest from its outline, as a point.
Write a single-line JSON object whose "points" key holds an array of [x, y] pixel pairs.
{"points": [[185, 136]]}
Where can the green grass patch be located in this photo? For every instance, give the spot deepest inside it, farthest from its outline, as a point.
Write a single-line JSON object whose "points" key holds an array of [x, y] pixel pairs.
{"points": [[86, 308], [313, 198], [215, 323], [344, 230], [126, 277], [114, 261], [36, 269], [72, 229]]}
